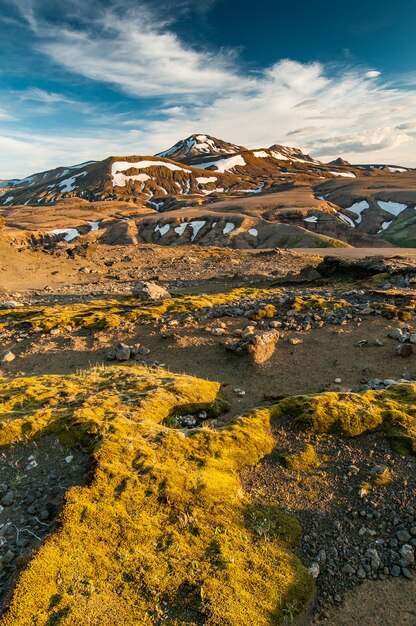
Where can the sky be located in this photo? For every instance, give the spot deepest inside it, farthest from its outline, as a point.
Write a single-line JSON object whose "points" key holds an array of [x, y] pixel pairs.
{"points": [[85, 79]]}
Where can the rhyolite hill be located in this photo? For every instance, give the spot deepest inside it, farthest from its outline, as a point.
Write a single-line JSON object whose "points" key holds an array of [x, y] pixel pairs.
{"points": [[207, 191]]}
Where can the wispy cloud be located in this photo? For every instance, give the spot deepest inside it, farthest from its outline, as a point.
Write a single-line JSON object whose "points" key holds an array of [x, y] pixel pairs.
{"points": [[5, 116], [46, 97]]}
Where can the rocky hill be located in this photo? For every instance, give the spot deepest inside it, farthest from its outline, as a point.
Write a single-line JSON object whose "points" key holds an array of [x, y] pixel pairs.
{"points": [[208, 191]]}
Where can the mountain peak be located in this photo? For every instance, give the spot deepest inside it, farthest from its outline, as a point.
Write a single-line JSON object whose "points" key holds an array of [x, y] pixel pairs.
{"points": [[339, 161], [198, 145]]}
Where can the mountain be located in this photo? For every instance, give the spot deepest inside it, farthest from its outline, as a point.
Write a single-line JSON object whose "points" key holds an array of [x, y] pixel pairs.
{"points": [[209, 191], [197, 145], [339, 162]]}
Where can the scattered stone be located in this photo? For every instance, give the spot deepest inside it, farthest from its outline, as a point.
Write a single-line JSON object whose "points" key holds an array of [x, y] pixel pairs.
{"points": [[295, 341], [7, 357], [123, 352], [149, 290], [404, 350], [314, 570]]}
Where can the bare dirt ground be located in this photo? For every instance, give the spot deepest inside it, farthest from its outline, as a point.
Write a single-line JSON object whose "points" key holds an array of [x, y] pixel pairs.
{"points": [[339, 355]]}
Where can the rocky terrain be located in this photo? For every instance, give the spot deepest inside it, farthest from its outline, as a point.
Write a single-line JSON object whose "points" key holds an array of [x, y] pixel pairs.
{"points": [[221, 437], [209, 192]]}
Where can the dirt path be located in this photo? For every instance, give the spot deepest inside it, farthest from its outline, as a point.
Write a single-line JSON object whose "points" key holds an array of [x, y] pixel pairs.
{"points": [[383, 603]]}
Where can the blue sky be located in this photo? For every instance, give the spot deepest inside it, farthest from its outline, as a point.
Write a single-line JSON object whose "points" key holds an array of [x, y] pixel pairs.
{"points": [[93, 78]]}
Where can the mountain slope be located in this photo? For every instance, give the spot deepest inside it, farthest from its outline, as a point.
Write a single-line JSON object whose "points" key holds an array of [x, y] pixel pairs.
{"points": [[357, 205]]}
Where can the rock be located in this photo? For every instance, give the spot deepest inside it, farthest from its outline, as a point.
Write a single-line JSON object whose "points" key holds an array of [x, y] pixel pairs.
{"points": [[337, 381], [361, 343], [396, 333], [407, 573], [149, 290], [407, 553], [8, 499], [378, 343], [111, 355], [248, 331], [374, 557], [239, 392], [314, 570], [123, 352], [8, 557], [403, 536], [404, 350], [395, 570], [361, 573], [413, 338], [295, 341], [10, 304], [260, 346], [7, 357], [189, 421], [217, 332], [263, 345], [348, 569]]}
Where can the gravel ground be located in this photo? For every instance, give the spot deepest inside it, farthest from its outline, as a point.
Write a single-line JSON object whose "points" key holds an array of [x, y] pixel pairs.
{"points": [[34, 478], [354, 530]]}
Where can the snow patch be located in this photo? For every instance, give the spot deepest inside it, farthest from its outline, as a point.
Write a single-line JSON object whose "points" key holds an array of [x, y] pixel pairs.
{"points": [[94, 225], [69, 184], [279, 156], [223, 165], [358, 208], [228, 228], [196, 227], [394, 208], [344, 174], [346, 219], [70, 233], [162, 229], [261, 154], [181, 228], [253, 231], [118, 167], [313, 219], [384, 226], [204, 180]]}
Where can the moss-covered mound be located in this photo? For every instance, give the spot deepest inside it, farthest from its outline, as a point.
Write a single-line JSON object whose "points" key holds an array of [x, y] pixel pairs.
{"points": [[391, 411], [163, 534]]}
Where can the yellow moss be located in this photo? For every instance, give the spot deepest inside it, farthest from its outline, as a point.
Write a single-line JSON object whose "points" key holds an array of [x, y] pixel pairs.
{"points": [[390, 312], [303, 304], [377, 480], [164, 532], [266, 312], [100, 314], [301, 461], [392, 411]]}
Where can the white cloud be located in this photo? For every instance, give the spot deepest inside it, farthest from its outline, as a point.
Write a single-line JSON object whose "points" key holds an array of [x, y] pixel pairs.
{"points": [[46, 97], [5, 116], [372, 74]]}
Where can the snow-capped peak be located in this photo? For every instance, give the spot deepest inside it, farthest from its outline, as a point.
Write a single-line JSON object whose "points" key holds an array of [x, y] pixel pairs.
{"points": [[197, 145]]}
